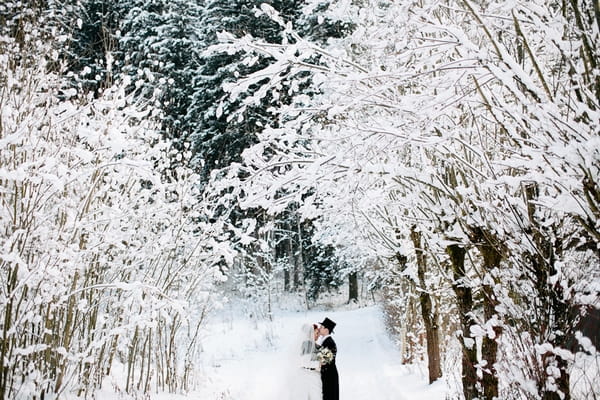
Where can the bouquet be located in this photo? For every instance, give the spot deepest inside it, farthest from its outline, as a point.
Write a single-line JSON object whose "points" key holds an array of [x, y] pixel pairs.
{"points": [[325, 356]]}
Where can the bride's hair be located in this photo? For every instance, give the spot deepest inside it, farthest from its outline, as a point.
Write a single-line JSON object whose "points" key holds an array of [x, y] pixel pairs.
{"points": [[307, 338]]}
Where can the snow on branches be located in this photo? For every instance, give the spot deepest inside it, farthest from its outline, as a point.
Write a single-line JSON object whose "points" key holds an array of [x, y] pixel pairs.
{"points": [[472, 125], [104, 261]]}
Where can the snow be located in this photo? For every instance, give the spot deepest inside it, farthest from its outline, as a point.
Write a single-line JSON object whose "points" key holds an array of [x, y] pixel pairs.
{"points": [[245, 359], [249, 361]]}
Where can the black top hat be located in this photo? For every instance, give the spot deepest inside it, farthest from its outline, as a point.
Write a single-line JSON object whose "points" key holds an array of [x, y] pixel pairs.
{"points": [[329, 324]]}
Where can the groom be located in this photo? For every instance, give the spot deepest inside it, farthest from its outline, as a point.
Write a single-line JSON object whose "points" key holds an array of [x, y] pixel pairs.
{"points": [[329, 373]]}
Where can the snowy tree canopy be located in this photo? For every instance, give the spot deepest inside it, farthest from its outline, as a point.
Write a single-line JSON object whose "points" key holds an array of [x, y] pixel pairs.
{"points": [[474, 126]]}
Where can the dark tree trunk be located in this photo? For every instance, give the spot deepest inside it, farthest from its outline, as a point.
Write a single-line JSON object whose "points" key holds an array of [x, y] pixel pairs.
{"points": [[489, 248], [464, 300], [353, 287], [291, 263], [489, 347], [286, 280], [429, 314], [298, 260]]}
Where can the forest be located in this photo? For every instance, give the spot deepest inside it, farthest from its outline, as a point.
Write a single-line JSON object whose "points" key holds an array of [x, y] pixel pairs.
{"points": [[159, 158]]}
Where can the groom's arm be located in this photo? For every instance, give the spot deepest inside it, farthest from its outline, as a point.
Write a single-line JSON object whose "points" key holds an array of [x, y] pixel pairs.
{"points": [[330, 344]]}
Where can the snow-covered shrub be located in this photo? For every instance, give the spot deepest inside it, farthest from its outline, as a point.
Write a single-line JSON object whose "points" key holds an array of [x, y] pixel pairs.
{"points": [[107, 266]]}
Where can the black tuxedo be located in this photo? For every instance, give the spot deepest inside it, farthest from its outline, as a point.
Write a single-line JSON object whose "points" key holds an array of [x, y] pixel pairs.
{"points": [[329, 373]]}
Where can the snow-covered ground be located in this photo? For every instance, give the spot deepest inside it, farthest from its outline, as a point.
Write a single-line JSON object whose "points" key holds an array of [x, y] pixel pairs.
{"points": [[248, 359]]}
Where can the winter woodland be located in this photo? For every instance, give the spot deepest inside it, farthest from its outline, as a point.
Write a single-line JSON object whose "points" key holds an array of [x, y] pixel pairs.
{"points": [[163, 161]]}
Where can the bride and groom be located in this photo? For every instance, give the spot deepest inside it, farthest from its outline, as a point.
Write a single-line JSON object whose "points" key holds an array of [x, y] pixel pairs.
{"points": [[318, 373]]}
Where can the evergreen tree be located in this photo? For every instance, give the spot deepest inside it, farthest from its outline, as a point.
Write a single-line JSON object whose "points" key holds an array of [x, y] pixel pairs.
{"points": [[91, 27], [223, 128], [159, 47], [218, 140], [322, 269]]}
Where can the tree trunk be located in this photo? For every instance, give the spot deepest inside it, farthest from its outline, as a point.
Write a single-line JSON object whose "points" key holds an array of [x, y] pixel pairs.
{"points": [[353, 287], [559, 323], [464, 300], [298, 278], [286, 280], [291, 262], [489, 346], [428, 312], [489, 248]]}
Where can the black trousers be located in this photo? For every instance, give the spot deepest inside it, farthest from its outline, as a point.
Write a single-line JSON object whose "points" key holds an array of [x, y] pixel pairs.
{"points": [[330, 380]]}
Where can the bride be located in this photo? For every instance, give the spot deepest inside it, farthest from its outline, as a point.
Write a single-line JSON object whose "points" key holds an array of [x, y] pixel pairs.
{"points": [[306, 384]]}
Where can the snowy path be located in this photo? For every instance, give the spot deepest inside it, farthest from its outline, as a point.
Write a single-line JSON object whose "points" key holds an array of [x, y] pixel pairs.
{"points": [[368, 361], [251, 366]]}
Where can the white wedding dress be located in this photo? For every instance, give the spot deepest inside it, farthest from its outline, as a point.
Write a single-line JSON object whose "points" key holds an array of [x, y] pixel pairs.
{"points": [[306, 384]]}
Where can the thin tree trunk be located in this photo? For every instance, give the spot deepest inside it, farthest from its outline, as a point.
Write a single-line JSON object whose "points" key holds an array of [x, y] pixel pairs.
{"points": [[69, 330], [5, 343], [287, 287], [299, 264], [131, 357], [429, 314], [464, 300]]}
